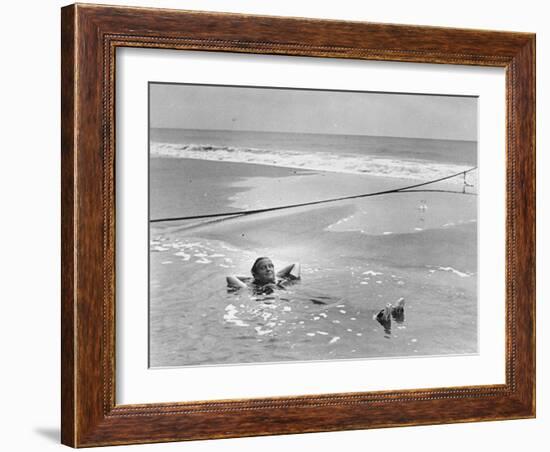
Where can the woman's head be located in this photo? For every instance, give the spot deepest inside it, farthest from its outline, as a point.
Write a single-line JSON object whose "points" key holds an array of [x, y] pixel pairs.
{"points": [[263, 270]]}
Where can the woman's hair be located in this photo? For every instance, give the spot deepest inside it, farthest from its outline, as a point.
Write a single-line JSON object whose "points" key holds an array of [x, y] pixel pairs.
{"points": [[256, 263]]}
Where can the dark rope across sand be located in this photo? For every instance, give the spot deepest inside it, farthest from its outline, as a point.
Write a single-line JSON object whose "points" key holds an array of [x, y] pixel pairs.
{"points": [[311, 203]]}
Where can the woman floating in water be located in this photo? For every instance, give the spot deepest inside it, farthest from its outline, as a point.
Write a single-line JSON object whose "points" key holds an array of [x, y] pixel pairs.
{"points": [[264, 279]]}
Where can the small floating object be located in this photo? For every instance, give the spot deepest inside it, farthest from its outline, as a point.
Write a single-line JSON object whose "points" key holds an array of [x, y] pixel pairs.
{"points": [[334, 339]]}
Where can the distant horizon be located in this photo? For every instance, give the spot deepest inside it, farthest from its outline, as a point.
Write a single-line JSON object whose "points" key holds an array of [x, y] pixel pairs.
{"points": [[294, 110], [314, 133]]}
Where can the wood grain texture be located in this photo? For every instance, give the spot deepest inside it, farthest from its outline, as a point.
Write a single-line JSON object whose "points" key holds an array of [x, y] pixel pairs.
{"points": [[90, 36], [68, 147]]}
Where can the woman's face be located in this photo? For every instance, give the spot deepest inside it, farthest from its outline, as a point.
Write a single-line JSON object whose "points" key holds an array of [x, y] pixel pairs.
{"points": [[265, 271]]}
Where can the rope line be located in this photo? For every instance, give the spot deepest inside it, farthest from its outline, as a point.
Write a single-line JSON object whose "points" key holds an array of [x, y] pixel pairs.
{"points": [[312, 203], [439, 191]]}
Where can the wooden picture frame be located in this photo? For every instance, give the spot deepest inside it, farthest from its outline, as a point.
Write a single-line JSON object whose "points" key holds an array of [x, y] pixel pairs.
{"points": [[90, 36]]}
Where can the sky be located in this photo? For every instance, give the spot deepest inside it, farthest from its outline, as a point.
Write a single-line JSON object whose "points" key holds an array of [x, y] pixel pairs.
{"points": [[215, 107]]}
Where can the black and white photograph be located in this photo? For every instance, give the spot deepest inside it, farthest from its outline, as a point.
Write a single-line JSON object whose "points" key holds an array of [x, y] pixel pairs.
{"points": [[275, 226], [297, 224]]}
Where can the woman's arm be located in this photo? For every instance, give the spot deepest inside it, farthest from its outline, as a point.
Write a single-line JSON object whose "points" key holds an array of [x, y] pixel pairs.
{"points": [[234, 281], [290, 271]]}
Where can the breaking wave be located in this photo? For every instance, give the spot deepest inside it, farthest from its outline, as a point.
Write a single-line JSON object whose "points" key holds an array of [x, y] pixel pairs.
{"points": [[316, 161]]}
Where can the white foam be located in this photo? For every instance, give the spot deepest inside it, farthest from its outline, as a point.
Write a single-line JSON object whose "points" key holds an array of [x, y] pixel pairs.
{"points": [[262, 332], [456, 272], [183, 255], [230, 316], [316, 161], [372, 273]]}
